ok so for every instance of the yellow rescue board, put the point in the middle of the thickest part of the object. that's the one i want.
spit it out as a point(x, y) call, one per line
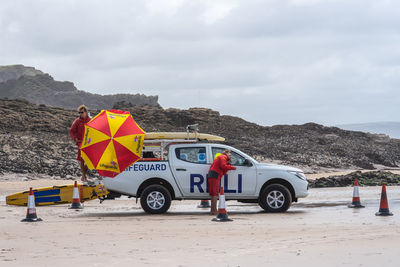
point(58, 194)
point(182, 135)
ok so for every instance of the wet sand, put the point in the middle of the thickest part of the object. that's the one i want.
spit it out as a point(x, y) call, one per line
point(318, 231)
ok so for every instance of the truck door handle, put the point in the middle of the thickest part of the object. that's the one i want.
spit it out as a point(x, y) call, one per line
point(181, 169)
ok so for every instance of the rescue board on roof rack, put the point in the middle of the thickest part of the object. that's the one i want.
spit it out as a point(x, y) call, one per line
point(183, 135)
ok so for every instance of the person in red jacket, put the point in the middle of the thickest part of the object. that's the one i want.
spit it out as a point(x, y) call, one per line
point(76, 134)
point(219, 168)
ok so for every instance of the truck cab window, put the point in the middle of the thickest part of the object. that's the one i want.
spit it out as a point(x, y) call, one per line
point(192, 154)
point(237, 160)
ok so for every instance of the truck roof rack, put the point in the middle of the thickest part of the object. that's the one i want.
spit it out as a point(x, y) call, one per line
point(159, 145)
point(158, 141)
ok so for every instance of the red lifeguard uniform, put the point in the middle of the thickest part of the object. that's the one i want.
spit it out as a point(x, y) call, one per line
point(76, 133)
point(218, 169)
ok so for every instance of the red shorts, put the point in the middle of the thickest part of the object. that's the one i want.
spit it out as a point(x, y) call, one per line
point(213, 186)
point(78, 157)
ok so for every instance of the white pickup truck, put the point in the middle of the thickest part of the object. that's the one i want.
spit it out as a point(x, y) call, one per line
point(184, 176)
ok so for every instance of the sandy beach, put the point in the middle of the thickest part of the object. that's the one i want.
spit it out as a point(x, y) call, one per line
point(319, 230)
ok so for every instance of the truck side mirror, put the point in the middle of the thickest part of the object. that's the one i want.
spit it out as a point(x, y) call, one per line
point(247, 163)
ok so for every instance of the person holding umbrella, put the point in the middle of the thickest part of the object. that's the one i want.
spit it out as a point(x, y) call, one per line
point(219, 168)
point(76, 134)
point(112, 141)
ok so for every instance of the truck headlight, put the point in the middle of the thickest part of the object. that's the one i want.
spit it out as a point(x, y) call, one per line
point(300, 175)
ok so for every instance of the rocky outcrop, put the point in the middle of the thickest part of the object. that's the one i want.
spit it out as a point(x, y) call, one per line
point(374, 178)
point(34, 138)
point(301, 145)
point(39, 88)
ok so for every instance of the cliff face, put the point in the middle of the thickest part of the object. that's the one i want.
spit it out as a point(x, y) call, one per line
point(34, 138)
point(15, 71)
point(39, 88)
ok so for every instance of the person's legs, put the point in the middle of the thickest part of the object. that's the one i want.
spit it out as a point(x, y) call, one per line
point(213, 191)
point(214, 210)
point(84, 167)
point(84, 170)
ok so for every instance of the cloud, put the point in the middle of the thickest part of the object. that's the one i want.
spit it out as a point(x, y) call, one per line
point(271, 62)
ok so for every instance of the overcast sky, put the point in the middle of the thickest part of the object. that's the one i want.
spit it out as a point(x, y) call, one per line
point(269, 62)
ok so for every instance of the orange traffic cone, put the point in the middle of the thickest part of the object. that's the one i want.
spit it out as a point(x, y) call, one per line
point(31, 212)
point(76, 202)
point(222, 216)
point(204, 204)
point(384, 206)
point(356, 197)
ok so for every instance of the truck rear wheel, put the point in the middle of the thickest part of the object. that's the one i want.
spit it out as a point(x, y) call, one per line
point(275, 198)
point(155, 199)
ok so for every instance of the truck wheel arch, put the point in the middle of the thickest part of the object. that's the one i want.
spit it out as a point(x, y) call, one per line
point(282, 182)
point(158, 181)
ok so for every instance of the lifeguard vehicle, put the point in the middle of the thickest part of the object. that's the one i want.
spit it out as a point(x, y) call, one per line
point(174, 166)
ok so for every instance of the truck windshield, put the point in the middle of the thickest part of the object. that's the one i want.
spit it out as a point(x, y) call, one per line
point(237, 160)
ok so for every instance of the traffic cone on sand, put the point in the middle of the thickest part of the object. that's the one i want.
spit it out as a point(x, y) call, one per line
point(356, 197)
point(31, 212)
point(76, 201)
point(384, 206)
point(222, 216)
point(204, 204)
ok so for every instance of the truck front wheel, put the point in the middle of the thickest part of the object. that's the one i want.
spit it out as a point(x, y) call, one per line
point(155, 199)
point(275, 198)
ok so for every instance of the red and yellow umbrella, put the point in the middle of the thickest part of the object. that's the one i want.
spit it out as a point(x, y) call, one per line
point(112, 142)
